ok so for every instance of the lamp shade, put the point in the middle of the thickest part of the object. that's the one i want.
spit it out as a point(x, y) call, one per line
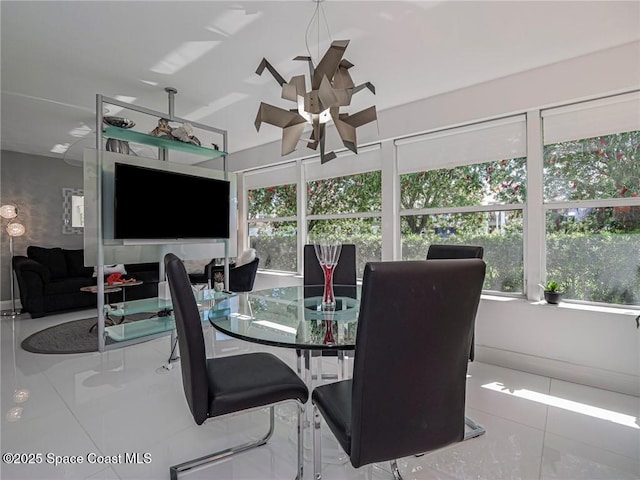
point(15, 229)
point(8, 211)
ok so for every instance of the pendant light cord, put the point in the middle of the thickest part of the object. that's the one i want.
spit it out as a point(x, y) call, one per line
point(316, 16)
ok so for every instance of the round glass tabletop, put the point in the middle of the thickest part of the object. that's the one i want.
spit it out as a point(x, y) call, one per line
point(291, 317)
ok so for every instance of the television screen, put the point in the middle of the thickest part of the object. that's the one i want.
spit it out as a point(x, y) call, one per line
point(158, 204)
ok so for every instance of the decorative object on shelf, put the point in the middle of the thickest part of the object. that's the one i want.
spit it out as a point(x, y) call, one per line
point(331, 88)
point(328, 253)
point(162, 130)
point(113, 144)
point(183, 133)
point(9, 212)
point(119, 122)
point(218, 281)
point(552, 293)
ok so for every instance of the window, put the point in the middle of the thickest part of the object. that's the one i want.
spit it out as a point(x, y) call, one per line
point(470, 185)
point(271, 218)
point(348, 208)
point(473, 194)
point(592, 199)
point(344, 201)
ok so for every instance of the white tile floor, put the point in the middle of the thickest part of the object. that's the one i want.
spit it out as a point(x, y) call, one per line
point(123, 402)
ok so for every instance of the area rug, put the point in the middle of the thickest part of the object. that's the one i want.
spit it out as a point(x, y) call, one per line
point(71, 337)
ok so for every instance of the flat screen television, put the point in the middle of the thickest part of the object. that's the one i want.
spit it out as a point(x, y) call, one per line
point(158, 204)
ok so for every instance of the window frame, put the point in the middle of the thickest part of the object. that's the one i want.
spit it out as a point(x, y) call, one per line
point(511, 125)
point(587, 119)
point(534, 208)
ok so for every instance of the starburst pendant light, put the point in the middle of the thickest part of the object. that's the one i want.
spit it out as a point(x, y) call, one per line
point(331, 89)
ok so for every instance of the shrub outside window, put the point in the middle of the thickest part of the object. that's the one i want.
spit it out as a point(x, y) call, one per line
point(592, 188)
point(272, 226)
point(479, 204)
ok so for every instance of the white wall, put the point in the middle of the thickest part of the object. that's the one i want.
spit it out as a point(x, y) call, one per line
point(599, 347)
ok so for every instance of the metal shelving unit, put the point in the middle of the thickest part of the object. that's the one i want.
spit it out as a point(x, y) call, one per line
point(164, 147)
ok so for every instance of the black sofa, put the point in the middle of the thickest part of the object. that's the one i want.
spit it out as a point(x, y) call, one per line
point(50, 279)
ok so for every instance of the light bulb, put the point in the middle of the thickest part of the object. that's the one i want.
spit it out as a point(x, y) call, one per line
point(14, 414)
point(15, 229)
point(8, 211)
point(20, 395)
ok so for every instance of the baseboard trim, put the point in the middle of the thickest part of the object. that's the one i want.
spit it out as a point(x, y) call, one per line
point(584, 375)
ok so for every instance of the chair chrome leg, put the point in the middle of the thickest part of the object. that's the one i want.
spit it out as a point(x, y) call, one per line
point(476, 429)
point(300, 441)
point(213, 457)
point(308, 378)
point(317, 448)
point(395, 470)
point(341, 365)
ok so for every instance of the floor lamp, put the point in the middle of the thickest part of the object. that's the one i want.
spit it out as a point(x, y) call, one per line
point(14, 229)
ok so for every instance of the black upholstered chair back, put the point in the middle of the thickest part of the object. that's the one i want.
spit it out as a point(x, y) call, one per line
point(193, 359)
point(242, 278)
point(414, 334)
point(443, 252)
point(440, 252)
point(344, 274)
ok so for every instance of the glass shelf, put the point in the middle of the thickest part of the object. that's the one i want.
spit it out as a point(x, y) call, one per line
point(145, 139)
point(211, 304)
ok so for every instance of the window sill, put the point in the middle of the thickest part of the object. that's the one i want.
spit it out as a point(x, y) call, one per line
point(627, 310)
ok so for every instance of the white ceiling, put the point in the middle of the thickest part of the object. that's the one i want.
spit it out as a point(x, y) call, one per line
point(56, 56)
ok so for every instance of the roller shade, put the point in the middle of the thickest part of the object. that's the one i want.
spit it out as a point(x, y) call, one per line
point(368, 159)
point(606, 116)
point(478, 143)
point(271, 177)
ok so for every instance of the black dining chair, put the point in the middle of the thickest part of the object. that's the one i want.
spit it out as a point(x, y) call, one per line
point(241, 277)
point(344, 280)
point(444, 252)
point(220, 386)
point(407, 394)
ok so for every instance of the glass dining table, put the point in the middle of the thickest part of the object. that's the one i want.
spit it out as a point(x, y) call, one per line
point(291, 317)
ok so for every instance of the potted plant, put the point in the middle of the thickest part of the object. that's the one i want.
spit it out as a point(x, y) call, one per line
point(552, 293)
point(218, 281)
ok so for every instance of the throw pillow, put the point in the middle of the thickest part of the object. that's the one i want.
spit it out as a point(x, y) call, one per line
point(196, 266)
point(109, 269)
point(245, 257)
